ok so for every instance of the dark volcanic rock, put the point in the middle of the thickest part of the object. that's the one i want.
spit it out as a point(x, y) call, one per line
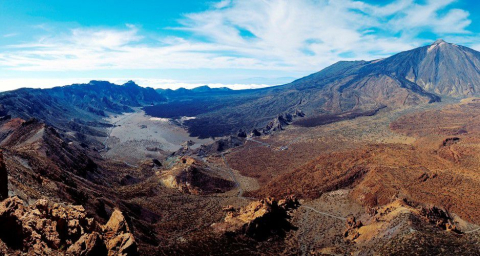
point(278, 123)
point(242, 134)
point(220, 145)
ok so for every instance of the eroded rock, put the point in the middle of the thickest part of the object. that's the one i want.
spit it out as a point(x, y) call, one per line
point(440, 217)
point(47, 228)
point(89, 245)
point(352, 225)
point(259, 220)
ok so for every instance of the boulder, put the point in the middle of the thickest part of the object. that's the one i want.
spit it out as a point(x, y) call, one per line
point(116, 225)
point(122, 245)
point(89, 245)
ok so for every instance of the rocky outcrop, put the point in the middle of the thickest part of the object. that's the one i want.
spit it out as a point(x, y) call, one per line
point(439, 217)
point(275, 125)
point(397, 219)
point(188, 144)
point(241, 134)
point(3, 179)
point(259, 220)
point(118, 233)
point(219, 145)
point(352, 226)
point(283, 120)
point(255, 133)
point(191, 176)
point(89, 244)
point(47, 228)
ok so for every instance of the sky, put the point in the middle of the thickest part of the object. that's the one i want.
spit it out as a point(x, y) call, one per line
point(235, 43)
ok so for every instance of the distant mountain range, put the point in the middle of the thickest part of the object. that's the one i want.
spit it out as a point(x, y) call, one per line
point(78, 106)
point(419, 76)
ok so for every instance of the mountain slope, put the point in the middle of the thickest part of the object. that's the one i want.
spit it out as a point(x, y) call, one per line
point(420, 76)
point(441, 68)
point(77, 107)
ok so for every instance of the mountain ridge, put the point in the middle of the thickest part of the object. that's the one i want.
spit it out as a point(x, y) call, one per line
point(419, 76)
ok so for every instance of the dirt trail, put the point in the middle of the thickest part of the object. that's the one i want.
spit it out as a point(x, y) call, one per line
point(229, 170)
point(323, 213)
point(472, 231)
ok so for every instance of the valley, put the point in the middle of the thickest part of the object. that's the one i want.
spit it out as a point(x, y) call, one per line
point(360, 158)
point(135, 137)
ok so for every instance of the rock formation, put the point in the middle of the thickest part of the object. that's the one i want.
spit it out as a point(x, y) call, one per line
point(255, 133)
point(188, 144)
point(259, 220)
point(352, 226)
point(439, 217)
point(219, 145)
point(47, 228)
point(279, 123)
point(190, 176)
point(118, 233)
point(241, 134)
point(400, 215)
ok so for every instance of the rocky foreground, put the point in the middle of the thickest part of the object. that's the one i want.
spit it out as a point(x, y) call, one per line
point(46, 228)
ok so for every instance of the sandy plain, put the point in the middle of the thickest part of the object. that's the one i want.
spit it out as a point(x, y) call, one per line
point(137, 136)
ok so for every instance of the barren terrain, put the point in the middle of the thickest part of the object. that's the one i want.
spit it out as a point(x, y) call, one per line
point(136, 136)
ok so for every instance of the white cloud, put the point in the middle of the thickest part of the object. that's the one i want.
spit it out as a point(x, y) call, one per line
point(222, 4)
point(301, 35)
point(10, 35)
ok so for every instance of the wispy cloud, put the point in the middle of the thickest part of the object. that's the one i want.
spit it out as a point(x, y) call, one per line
point(248, 34)
point(10, 35)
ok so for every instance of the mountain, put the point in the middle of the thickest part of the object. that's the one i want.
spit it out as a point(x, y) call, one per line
point(202, 90)
point(441, 68)
point(419, 76)
point(401, 183)
point(82, 103)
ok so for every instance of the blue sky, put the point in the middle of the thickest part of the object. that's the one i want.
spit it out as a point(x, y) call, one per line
point(235, 43)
